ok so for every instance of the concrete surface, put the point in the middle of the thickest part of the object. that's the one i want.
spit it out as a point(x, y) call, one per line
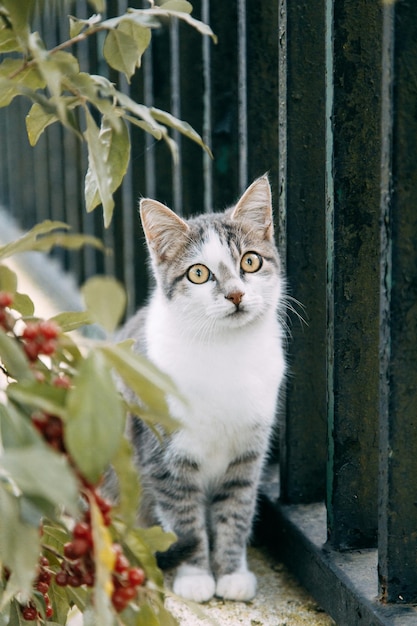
point(280, 601)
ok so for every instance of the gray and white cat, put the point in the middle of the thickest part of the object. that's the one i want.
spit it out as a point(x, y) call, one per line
point(212, 324)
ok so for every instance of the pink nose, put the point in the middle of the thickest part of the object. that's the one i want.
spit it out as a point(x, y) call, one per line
point(235, 297)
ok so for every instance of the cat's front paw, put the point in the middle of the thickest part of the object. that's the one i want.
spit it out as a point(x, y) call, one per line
point(197, 586)
point(237, 586)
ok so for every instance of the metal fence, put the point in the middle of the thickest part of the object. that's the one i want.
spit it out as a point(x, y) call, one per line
point(322, 95)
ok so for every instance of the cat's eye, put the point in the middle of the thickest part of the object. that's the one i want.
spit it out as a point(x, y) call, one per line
point(251, 262)
point(198, 274)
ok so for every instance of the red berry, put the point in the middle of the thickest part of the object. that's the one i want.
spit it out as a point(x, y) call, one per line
point(103, 504)
point(31, 331)
point(61, 578)
point(39, 420)
point(76, 548)
point(89, 579)
point(49, 611)
point(62, 381)
point(42, 586)
point(82, 530)
point(32, 351)
point(48, 347)
point(44, 577)
point(49, 329)
point(29, 613)
point(53, 428)
point(44, 561)
point(3, 319)
point(121, 597)
point(122, 564)
point(136, 576)
point(75, 581)
point(6, 299)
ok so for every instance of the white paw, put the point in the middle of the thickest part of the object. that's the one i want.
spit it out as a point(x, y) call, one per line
point(237, 586)
point(198, 586)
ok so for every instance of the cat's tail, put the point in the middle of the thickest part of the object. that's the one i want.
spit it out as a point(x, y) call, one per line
point(176, 554)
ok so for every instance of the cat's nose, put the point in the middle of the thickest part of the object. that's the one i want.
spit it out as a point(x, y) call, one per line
point(235, 297)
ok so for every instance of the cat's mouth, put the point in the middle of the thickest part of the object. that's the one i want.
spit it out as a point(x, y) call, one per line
point(238, 311)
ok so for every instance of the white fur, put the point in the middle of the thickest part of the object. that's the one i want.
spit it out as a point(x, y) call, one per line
point(194, 584)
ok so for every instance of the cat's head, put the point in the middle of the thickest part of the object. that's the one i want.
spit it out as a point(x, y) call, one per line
point(217, 270)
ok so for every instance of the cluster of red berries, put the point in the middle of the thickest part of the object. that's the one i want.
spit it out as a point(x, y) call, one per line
point(78, 566)
point(126, 580)
point(6, 300)
point(51, 426)
point(40, 338)
point(41, 584)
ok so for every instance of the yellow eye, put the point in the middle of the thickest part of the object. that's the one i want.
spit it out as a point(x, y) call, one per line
point(198, 274)
point(251, 262)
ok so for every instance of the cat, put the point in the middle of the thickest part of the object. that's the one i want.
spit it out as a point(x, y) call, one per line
point(213, 325)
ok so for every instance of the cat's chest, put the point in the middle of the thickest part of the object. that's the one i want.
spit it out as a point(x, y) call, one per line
point(227, 380)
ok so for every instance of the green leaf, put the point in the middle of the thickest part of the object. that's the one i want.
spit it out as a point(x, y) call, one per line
point(8, 279)
point(36, 121)
point(116, 153)
point(72, 320)
point(155, 420)
point(19, 14)
point(147, 617)
point(41, 396)
point(142, 112)
point(69, 241)
point(98, 176)
point(164, 11)
point(23, 304)
point(43, 238)
point(96, 418)
point(181, 126)
point(105, 299)
point(8, 41)
point(19, 546)
point(77, 25)
point(141, 35)
point(121, 52)
point(156, 538)
point(29, 240)
point(177, 5)
point(147, 381)
point(129, 487)
point(16, 430)
point(8, 91)
point(33, 509)
point(99, 5)
point(143, 543)
point(13, 359)
point(39, 471)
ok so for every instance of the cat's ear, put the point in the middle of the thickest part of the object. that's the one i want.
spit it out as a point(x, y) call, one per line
point(164, 230)
point(255, 206)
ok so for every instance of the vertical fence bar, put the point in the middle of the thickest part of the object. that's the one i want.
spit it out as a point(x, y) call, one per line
point(398, 431)
point(242, 95)
point(176, 111)
point(303, 437)
point(353, 453)
point(207, 122)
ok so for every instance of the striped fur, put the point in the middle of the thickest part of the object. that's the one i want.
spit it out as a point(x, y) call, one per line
point(226, 359)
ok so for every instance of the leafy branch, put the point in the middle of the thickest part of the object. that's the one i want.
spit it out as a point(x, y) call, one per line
point(59, 90)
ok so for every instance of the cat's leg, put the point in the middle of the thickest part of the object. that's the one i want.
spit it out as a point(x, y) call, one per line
point(181, 508)
point(231, 516)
